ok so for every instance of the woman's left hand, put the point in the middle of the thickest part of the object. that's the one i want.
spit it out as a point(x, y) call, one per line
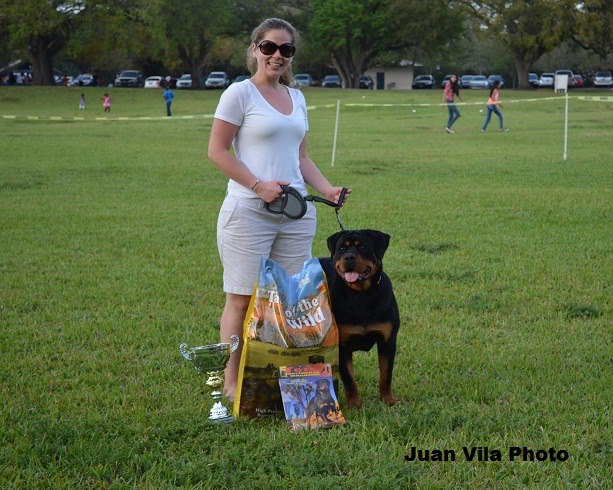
point(335, 194)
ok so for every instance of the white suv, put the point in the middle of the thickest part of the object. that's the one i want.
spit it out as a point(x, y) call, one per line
point(603, 79)
point(303, 80)
point(217, 79)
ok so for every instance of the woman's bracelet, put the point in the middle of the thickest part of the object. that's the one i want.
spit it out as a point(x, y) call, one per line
point(257, 181)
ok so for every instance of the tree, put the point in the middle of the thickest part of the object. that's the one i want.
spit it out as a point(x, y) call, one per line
point(528, 28)
point(40, 29)
point(591, 26)
point(480, 55)
point(352, 32)
point(5, 51)
point(116, 34)
point(192, 26)
point(356, 33)
point(426, 32)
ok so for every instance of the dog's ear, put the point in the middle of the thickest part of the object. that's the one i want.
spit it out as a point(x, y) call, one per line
point(381, 241)
point(332, 239)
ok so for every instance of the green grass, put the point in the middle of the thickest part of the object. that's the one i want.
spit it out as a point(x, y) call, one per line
point(500, 257)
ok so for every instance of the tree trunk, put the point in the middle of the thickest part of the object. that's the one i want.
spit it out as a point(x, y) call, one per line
point(42, 61)
point(524, 60)
point(194, 58)
point(196, 70)
point(43, 49)
point(523, 68)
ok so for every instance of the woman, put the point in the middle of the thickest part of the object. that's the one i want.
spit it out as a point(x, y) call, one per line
point(265, 121)
point(450, 91)
point(493, 106)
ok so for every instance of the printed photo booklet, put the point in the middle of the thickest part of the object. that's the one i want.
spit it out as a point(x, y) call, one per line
point(309, 400)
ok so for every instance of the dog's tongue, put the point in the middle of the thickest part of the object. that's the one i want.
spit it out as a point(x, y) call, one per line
point(351, 276)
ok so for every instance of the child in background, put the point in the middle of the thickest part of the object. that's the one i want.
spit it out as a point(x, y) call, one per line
point(82, 102)
point(450, 92)
point(106, 102)
point(493, 106)
point(168, 97)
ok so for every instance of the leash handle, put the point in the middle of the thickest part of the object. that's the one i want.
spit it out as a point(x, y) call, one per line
point(341, 198)
point(337, 205)
point(280, 206)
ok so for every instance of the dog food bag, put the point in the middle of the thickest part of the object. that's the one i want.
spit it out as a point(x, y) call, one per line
point(289, 322)
point(290, 311)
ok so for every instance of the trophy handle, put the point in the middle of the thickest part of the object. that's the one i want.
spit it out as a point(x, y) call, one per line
point(235, 341)
point(185, 352)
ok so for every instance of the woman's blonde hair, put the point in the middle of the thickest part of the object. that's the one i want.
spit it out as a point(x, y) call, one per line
point(258, 34)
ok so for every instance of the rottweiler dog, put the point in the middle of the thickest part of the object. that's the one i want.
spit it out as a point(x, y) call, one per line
point(364, 306)
point(322, 403)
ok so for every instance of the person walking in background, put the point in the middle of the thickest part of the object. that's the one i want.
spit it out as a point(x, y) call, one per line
point(82, 102)
point(265, 121)
point(168, 97)
point(106, 102)
point(450, 91)
point(494, 106)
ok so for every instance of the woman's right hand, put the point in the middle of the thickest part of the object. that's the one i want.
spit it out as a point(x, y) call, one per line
point(269, 190)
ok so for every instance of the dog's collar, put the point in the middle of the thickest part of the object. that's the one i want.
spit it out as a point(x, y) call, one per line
point(380, 277)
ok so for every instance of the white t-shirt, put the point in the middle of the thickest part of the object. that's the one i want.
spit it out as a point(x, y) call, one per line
point(267, 142)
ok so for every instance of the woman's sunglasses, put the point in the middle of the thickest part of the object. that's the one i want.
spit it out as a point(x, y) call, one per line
point(269, 48)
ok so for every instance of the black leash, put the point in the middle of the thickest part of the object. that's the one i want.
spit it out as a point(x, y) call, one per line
point(293, 204)
point(341, 201)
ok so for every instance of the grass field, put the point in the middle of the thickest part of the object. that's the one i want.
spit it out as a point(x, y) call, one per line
point(501, 257)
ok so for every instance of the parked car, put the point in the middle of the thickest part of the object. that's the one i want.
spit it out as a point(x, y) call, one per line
point(464, 81)
point(367, 82)
point(331, 81)
point(603, 79)
point(569, 74)
point(63, 80)
point(22, 78)
point(129, 78)
point(217, 79)
point(445, 80)
point(60, 78)
point(153, 82)
point(240, 78)
point(82, 80)
point(184, 81)
point(533, 80)
point(302, 80)
point(492, 78)
point(168, 82)
point(423, 81)
point(579, 82)
point(479, 82)
point(546, 80)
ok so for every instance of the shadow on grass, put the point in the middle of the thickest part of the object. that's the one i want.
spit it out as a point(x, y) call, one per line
point(435, 248)
point(582, 311)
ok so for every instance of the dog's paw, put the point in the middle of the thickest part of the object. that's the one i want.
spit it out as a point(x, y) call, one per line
point(389, 400)
point(353, 402)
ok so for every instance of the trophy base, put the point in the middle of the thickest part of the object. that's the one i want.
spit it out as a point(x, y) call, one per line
point(219, 413)
point(228, 419)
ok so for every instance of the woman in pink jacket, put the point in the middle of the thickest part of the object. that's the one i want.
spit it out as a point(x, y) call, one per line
point(450, 91)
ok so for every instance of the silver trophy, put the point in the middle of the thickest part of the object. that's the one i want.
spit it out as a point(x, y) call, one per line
point(212, 360)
